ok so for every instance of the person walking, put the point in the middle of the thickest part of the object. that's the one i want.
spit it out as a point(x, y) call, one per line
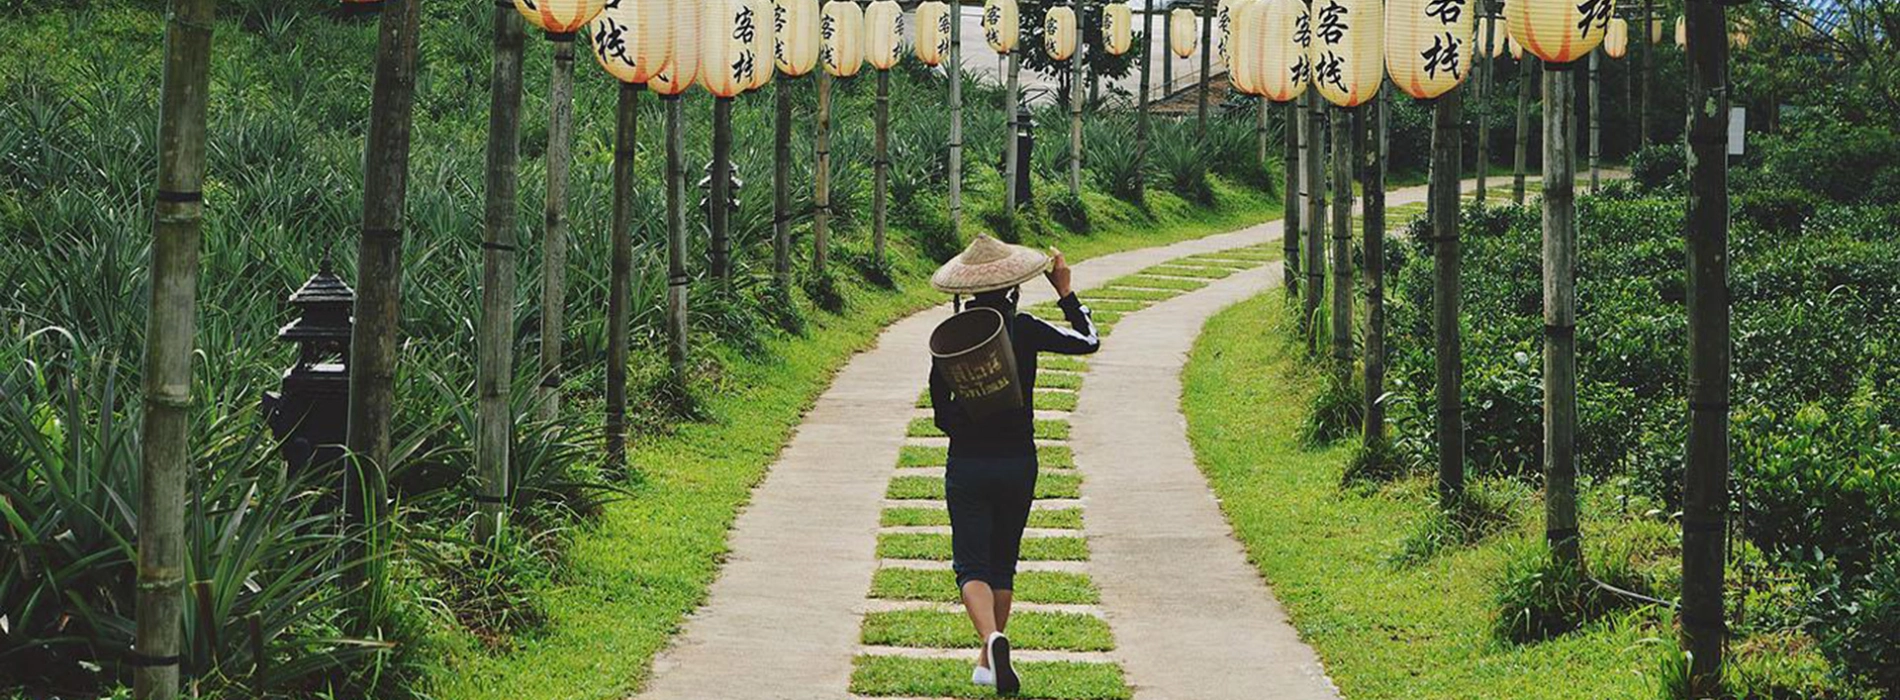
point(990, 481)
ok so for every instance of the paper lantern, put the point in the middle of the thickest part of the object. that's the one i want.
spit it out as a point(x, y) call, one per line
point(1225, 15)
point(1617, 43)
point(679, 28)
point(560, 16)
point(1738, 33)
point(1428, 45)
point(933, 33)
point(1243, 69)
point(1058, 33)
point(842, 34)
point(764, 41)
point(1002, 26)
point(1348, 50)
point(627, 40)
point(731, 30)
point(883, 33)
point(1559, 31)
point(1498, 37)
point(1516, 49)
point(1656, 30)
point(1286, 35)
point(1118, 28)
point(1186, 32)
point(1682, 31)
point(795, 36)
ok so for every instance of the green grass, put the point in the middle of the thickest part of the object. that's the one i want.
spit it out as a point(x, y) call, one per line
point(1417, 632)
point(1050, 380)
point(934, 629)
point(1125, 293)
point(941, 586)
point(1212, 273)
point(937, 547)
point(1059, 519)
point(1048, 485)
point(1142, 280)
point(1045, 429)
point(1066, 363)
point(1049, 456)
point(1215, 263)
point(950, 678)
point(1055, 400)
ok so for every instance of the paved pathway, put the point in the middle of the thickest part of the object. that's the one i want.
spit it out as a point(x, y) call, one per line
point(789, 618)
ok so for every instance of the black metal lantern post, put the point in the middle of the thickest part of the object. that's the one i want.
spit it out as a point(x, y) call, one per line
point(310, 417)
point(1025, 149)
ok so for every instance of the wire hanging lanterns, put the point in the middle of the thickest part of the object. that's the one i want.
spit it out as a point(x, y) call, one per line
point(1428, 45)
point(1348, 50)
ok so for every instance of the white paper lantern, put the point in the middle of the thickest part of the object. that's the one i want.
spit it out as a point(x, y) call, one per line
point(1002, 26)
point(1058, 33)
point(559, 16)
point(626, 40)
point(933, 33)
point(1428, 45)
point(1559, 31)
point(1617, 44)
point(681, 29)
point(1118, 28)
point(1682, 31)
point(1225, 15)
point(764, 42)
point(1656, 30)
point(730, 44)
point(1515, 49)
point(1186, 32)
point(1348, 51)
point(883, 33)
point(1244, 68)
point(842, 34)
point(795, 36)
point(1286, 70)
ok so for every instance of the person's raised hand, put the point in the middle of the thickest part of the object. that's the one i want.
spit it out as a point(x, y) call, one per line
point(1058, 273)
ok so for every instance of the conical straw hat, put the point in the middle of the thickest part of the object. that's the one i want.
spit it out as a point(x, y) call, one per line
point(988, 265)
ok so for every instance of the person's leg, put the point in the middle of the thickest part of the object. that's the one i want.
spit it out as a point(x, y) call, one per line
point(979, 602)
point(1017, 498)
point(971, 525)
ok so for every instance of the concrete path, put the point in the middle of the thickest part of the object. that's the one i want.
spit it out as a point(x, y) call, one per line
point(1191, 616)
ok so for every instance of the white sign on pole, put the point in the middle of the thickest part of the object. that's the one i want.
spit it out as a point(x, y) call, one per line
point(1737, 129)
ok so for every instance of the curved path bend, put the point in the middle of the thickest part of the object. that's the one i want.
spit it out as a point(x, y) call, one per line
point(1190, 616)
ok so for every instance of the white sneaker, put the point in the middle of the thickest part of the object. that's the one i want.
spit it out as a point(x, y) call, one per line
point(1006, 681)
point(983, 676)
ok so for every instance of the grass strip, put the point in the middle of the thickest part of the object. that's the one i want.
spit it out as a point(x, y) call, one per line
point(1130, 294)
point(1055, 380)
point(1143, 280)
point(1055, 587)
point(906, 545)
point(1212, 273)
point(1046, 429)
point(1062, 519)
point(896, 676)
point(1048, 485)
point(1066, 363)
point(1049, 456)
point(935, 629)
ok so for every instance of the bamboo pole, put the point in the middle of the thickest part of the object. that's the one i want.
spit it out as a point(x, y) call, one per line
point(1374, 217)
point(821, 202)
point(1447, 335)
point(719, 192)
point(1521, 159)
point(882, 174)
point(495, 348)
point(1167, 59)
point(1011, 98)
point(955, 74)
point(1596, 123)
point(1344, 144)
point(1647, 69)
point(171, 324)
point(1207, 64)
point(676, 279)
point(782, 185)
point(1313, 161)
point(619, 294)
point(1706, 454)
point(554, 241)
point(1142, 126)
point(1261, 143)
point(1482, 65)
point(1290, 199)
point(1560, 320)
point(379, 290)
point(1075, 110)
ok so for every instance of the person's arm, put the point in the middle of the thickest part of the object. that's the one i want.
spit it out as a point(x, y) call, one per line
point(1080, 337)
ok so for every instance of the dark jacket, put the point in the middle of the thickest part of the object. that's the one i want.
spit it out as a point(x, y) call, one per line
point(1013, 435)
